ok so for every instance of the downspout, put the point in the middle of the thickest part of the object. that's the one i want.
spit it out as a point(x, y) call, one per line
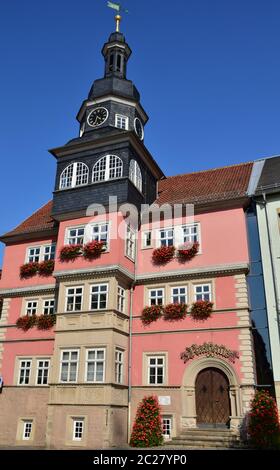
point(130, 343)
point(275, 288)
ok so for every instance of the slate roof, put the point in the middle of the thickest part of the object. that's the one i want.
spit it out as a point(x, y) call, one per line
point(218, 184)
point(269, 180)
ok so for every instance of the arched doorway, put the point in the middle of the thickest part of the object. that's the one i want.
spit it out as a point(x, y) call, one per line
point(212, 398)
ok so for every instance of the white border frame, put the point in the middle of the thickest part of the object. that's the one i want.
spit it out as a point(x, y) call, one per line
point(62, 350)
point(96, 348)
point(92, 111)
point(142, 126)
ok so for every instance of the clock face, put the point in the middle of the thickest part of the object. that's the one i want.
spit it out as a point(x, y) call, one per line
point(138, 127)
point(97, 117)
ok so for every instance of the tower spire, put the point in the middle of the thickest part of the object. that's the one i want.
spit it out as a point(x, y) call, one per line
point(118, 19)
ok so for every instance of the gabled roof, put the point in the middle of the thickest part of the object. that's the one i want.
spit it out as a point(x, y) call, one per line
point(40, 221)
point(218, 184)
point(269, 181)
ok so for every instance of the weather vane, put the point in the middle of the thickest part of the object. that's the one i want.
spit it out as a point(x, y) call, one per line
point(119, 8)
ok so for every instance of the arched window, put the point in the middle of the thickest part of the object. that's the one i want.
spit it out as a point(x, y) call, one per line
point(75, 174)
point(135, 174)
point(107, 168)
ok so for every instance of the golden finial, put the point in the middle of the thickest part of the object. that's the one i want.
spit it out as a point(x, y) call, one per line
point(118, 20)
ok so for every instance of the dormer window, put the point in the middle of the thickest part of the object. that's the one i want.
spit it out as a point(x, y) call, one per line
point(121, 121)
point(135, 174)
point(107, 168)
point(74, 175)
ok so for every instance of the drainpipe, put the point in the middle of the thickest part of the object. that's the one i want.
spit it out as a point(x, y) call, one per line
point(130, 343)
point(275, 287)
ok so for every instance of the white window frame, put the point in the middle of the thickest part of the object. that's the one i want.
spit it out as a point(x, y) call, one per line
point(78, 421)
point(75, 175)
point(41, 253)
point(35, 303)
point(167, 236)
point(130, 243)
point(43, 368)
point(157, 366)
point(98, 235)
point(68, 237)
point(121, 119)
point(135, 175)
point(74, 295)
point(198, 233)
point(121, 299)
point(27, 422)
point(202, 284)
point(95, 361)
point(48, 307)
point(157, 296)
point(179, 294)
point(119, 365)
point(144, 239)
point(25, 368)
point(69, 365)
point(99, 292)
point(106, 169)
point(170, 425)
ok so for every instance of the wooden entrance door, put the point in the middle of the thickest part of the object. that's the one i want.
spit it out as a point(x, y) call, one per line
point(212, 397)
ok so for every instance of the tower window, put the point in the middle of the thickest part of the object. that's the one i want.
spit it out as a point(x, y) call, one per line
point(73, 175)
point(119, 62)
point(111, 63)
point(135, 174)
point(121, 122)
point(108, 167)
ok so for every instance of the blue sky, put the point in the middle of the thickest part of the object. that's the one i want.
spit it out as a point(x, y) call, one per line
point(208, 72)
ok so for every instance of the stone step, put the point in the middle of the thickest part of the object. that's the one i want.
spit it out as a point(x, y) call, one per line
point(208, 432)
point(201, 445)
point(205, 439)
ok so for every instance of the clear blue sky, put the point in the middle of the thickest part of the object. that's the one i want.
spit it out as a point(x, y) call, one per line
point(208, 72)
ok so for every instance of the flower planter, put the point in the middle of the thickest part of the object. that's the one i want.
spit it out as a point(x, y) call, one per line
point(201, 310)
point(28, 270)
point(26, 322)
point(151, 314)
point(45, 322)
point(93, 249)
point(187, 251)
point(163, 255)
point(174, 312)
point(70, 252)
point(46, 268)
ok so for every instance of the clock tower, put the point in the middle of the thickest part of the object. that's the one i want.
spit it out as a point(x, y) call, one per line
point(109, 157)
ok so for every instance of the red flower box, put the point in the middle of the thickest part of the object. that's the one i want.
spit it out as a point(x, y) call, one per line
point(28, 270)
point(173, 312)
point(163, 254)
point(263, 424)
point(45, 268)
point(93, 249)
point(201, 310)
point(188, 250)
point(26, 322)
point(45, 322)
point(70, 252)
point(150, 314)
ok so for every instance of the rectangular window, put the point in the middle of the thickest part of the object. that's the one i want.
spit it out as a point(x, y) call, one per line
point(156, 370)
point(119, 355)
point(147, 239)
point(34, 254)
point(100, 232)
point(121, 122)
point(121, 299)
point(31, 307)
point(74, 299)
point(43, 366)
point(78, 429)
point(167, 426)
point(95, 365)
point(48, 252)
point(48, 308)
point(99, 294)
point(24, 371)
point(27, 430)
point(179, 295)
point(75, 236)
point(130, 243)
point(190, 233)
point(156, 296)
point(202, 292)
point(166, 237)
point(69, 366)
